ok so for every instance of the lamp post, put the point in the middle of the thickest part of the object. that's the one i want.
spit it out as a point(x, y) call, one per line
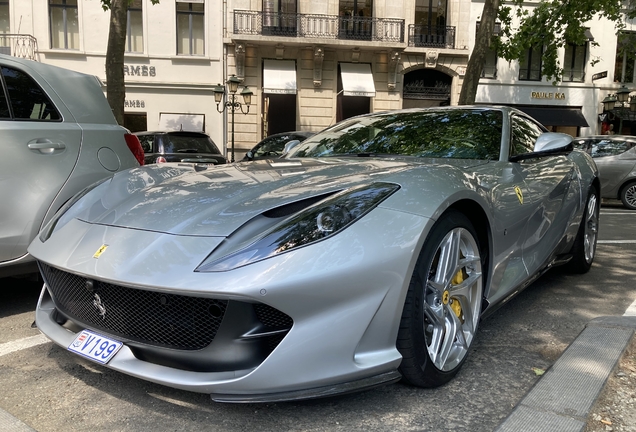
point(232, 105)
point(621, 104)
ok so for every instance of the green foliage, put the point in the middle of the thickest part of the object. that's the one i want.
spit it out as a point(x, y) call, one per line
point(553, 24)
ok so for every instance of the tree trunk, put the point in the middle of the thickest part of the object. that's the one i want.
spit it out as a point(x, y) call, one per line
point(116, 87)
point(478, 56)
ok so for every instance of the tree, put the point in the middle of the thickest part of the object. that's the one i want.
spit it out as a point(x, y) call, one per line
point(116, 86)
point(551, 24)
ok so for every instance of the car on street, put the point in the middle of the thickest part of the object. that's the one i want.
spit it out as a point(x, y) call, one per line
point(180, 146)
point(58, 136)
point(273, 146)
point(366, 255)
point(615, 157)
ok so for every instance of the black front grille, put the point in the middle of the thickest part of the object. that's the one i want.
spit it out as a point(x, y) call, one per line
point(271, 317)
point(150, 317)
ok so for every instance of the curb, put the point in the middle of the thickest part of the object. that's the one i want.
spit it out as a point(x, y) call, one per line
point(562, 399)
point(9, 423)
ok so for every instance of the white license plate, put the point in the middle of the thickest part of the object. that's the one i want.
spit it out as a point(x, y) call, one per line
point(95, 346)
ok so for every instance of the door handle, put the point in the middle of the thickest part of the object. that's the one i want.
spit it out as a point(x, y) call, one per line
point(46, 146)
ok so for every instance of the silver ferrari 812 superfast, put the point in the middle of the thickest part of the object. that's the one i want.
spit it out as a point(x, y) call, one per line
point(367, 255)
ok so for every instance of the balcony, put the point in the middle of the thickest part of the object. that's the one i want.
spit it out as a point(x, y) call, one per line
point(318, 26)
point(18, 45)
point(432, 36)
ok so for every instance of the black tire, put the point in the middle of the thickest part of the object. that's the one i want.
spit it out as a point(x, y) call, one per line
point(584, 248)
point(628, 195)
point(430, 309)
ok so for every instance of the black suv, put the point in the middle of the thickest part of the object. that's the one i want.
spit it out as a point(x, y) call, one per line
point(180, 146)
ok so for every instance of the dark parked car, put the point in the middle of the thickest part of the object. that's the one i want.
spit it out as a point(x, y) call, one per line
point(273, 145)
point(615, 157)
point(180, 146)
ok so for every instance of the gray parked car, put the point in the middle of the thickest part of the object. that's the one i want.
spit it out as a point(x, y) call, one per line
point(58, 136)
point(367, 256)
point(615, 157)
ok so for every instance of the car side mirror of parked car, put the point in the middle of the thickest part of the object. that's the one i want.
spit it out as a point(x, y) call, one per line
point(290, 145)
point(548, 144)
point(249, 155)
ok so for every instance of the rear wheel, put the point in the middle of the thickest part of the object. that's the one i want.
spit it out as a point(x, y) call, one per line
point(443, 304)
point(584, 248)
point(628, 195)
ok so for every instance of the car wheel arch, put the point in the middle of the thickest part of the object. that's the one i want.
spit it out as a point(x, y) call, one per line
point(479, 218)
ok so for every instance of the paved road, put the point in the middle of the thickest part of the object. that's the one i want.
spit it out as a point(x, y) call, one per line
point(49, 389)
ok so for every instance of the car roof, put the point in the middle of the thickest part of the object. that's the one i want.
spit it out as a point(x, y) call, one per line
point(170, 132)
point(77, 91)
point(629, 138)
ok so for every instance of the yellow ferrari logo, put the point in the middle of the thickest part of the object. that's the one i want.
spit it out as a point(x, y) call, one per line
point(100, 251)
point(519, 194)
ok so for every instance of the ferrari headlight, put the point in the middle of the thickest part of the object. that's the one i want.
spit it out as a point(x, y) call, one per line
point(63, 216)
point(315, 223)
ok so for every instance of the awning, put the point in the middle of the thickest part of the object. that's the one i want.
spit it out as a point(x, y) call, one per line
point(357, 79)
point(549, 116)
point(279, 76)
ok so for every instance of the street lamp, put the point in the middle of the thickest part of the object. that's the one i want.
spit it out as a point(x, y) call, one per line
point(232, 105)
point(621, 104)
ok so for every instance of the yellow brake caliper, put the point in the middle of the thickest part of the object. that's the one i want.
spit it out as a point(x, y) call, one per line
point(454, 303)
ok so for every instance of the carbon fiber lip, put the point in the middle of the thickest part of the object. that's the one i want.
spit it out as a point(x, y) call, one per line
point(318, 392)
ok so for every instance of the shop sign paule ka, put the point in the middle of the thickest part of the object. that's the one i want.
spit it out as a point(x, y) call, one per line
point(547, 95)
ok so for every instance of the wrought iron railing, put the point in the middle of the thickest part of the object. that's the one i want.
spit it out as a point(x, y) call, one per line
point(431, 36)
point(420, 90)
point(19, 45)
point(318, 26)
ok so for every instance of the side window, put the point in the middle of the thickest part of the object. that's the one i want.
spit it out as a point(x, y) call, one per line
point(609, 148)
point(4, 104)
point(146, 143)
point(524, 135)
point(27, 99)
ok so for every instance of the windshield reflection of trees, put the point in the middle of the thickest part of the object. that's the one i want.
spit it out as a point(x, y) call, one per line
point(464, 134)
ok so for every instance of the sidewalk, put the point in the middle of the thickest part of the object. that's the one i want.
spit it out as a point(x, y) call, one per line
point(562, 399)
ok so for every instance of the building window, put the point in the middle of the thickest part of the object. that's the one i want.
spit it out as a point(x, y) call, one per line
point(5, 27)
point(574, 62)
point(430, 24)
point(530, 65)
point(279, 17)
point(134, 28)
point(625, 57)
point(356, 19)
point(64, 24)
point(490, 64)
point(190, 28)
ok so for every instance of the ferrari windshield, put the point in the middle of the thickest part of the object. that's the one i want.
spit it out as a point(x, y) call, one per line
point(459, 133)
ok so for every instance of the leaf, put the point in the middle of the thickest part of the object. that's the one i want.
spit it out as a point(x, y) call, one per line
point(538, 371)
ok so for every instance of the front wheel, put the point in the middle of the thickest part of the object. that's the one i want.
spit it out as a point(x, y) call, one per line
point(443, 303)
point(628, 195)
point(584, 248)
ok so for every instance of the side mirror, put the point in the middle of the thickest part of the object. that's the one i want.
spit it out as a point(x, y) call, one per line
point(290, 145)
point(548, 144)
point(249, 155)
point(552, 141)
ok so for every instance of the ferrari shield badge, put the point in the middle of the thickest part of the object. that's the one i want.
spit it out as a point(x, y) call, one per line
point(100, 251)
point(519, 194)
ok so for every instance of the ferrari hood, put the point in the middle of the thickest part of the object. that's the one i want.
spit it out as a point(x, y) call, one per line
point(182, 199)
